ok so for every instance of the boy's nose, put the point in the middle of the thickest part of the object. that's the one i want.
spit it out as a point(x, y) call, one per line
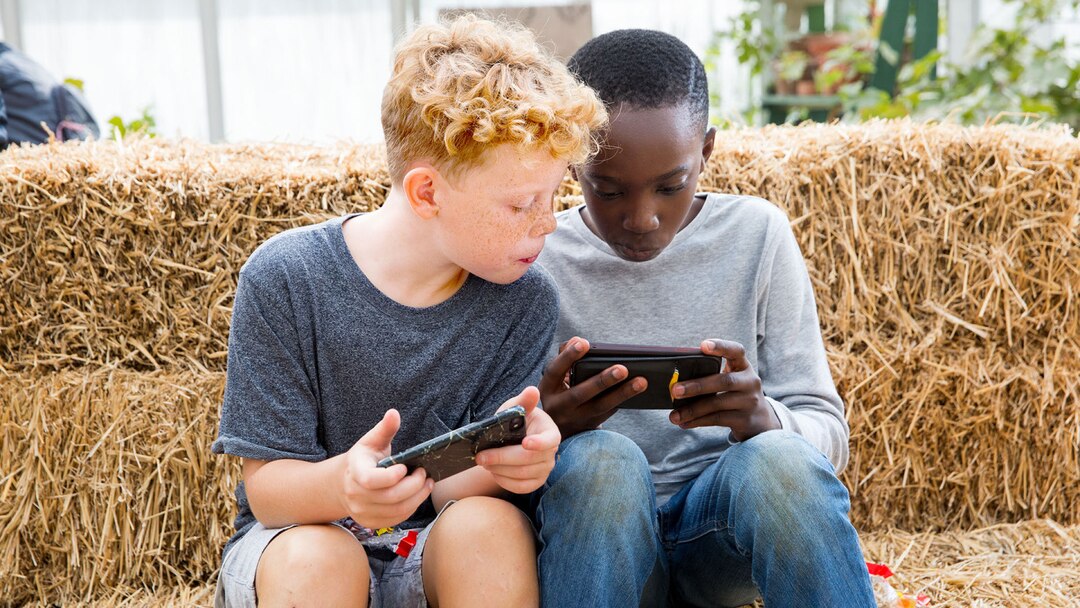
point(545, 224)
point(641, 220)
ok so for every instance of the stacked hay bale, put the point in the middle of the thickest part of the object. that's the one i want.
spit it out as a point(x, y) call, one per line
point(944, 260)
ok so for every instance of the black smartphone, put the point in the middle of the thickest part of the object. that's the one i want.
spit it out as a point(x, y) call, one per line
point(661, 366)
point(453, 452)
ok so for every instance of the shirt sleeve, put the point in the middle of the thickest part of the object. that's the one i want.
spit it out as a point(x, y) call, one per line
point(270, 408)
point(791, 353)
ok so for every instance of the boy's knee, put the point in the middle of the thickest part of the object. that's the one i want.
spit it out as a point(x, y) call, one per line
point(305, 554)
point(781, 471)
point(476, 516)
point(600, 459)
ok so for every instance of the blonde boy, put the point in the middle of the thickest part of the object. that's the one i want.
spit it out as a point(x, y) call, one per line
point(397, 325)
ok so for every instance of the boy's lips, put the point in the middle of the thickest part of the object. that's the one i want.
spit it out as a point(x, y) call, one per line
point(635, 254)
point(530, 259)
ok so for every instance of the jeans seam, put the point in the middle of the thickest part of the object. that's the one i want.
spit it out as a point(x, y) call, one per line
point(706, 530)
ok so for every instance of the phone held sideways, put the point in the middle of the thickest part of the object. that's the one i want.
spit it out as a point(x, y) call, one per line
point(454, 452)
point(661, 366)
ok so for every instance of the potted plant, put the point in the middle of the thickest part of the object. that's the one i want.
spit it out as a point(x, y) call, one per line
point(845, 64)
point(790, 68)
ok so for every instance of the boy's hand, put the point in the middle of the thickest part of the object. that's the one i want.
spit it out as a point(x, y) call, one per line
point(732, 398)
point(524, 468)
point(577, 408)
point(376, 497)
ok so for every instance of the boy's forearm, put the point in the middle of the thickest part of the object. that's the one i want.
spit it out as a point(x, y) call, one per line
point(476, 481)
point(284, 492)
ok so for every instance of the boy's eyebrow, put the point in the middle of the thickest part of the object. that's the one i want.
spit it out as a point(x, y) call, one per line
point(659, 178)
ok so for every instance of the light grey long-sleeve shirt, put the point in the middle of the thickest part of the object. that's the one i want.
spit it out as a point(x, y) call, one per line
point(734, 273)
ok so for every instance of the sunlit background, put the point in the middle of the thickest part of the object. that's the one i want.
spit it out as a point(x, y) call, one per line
point(313, 70)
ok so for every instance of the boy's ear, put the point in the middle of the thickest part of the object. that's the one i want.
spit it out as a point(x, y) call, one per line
point(707, 147)
point(419, 187)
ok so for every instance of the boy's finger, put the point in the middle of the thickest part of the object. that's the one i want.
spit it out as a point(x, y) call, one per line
point(528, 398)
point(717, 409)
point(513, 455)
point(379, 437)
point(402, 509)
point(401, 491)
point(378, 478)
point(559, 366)
point(547, 439)
point(530, 471)
point(728, 418)
point(589, 389)
point(732, 352)
point(606, 406)
point(724, 382)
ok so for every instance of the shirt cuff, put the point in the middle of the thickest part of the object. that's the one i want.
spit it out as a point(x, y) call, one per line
point(783, 414)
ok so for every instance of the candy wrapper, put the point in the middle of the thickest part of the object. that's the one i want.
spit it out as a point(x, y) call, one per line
point(888, 597)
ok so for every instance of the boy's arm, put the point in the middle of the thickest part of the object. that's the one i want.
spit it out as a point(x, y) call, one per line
point(791, 353)
point(270, 418)
point(791, 388)
point(283, 492)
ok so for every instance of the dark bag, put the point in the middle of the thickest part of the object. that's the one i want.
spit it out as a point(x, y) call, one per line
point(32, 96)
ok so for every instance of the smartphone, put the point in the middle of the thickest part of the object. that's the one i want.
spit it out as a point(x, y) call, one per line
point(661, 366)
point(453, 452)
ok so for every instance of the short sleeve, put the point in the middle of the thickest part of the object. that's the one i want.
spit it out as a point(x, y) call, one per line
point(270, 409)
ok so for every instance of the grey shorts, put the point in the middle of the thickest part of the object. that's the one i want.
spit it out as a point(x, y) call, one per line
point(394, 582)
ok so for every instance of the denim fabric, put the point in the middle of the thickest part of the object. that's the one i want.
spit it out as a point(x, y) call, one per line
point(769, 518)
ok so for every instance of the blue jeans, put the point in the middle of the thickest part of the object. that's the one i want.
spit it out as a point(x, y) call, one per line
point(768, 518)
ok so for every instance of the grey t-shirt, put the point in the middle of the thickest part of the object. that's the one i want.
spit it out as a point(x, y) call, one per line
point(734, 273)
point(317, 354)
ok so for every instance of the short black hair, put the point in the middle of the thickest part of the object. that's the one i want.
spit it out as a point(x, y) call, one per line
point(644, 69)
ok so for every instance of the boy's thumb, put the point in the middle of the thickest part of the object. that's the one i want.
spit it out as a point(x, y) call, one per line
point(380, 435)
point(528, 398)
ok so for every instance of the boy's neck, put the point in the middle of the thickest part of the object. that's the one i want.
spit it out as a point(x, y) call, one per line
point(395, 250)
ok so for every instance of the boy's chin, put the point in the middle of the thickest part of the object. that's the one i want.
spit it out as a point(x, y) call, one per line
point(504, 276)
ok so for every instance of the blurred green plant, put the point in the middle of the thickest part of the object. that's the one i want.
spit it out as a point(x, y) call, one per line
point(144, 125)
point(1011, 74)
point(1015, 73)
point(755, 46)
point(792, 65)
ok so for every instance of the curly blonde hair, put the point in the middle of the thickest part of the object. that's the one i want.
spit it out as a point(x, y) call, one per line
point(463, 87)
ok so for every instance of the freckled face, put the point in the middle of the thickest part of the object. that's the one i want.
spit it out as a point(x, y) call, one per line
point(639, 192)
point(493, 218)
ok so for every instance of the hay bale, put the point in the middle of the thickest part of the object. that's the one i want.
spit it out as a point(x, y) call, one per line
point(1034, 563)
point(944, 261)
point(128, 253)
point(201, 596)
point(108, 483)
